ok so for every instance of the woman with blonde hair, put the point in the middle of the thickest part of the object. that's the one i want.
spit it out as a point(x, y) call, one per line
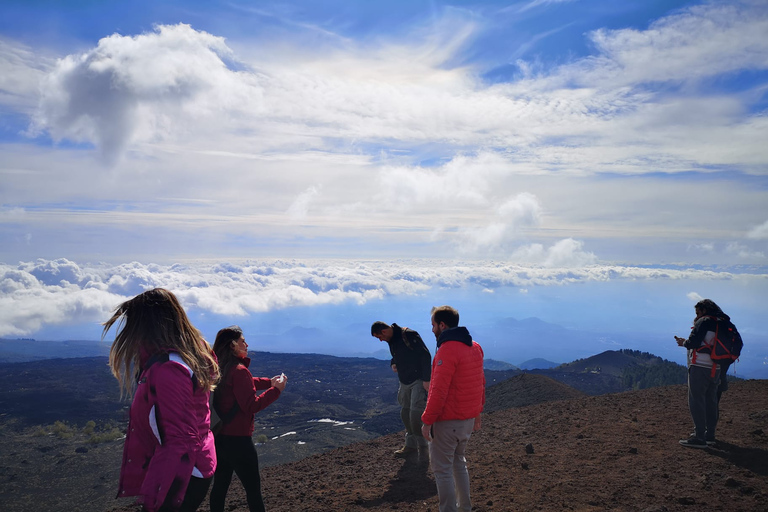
point(158, 356)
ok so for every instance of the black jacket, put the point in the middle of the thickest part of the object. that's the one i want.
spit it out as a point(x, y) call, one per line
point(410, 355)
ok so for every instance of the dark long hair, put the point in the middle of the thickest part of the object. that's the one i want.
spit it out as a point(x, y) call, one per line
point(222, 347)
point(155, 322)
point(710, 308)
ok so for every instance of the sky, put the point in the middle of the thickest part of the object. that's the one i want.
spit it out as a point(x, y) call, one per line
point(596, 164)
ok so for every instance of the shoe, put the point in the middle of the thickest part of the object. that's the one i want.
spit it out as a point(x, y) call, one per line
point(710, 442)
point(693, 442)
point(405, 451)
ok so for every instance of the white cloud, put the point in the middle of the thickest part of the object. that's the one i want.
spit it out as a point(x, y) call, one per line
point(692, 44)
point(569, 253)
point(11, 213)
point(391, 141)
point(505, 224)
point(61, 292)
point(538, 3)
point(744, 252)
point(300, 207)
point(759, 232)
point(694, 297)
point(21, 71)
point(149, 88)
point(140, 89)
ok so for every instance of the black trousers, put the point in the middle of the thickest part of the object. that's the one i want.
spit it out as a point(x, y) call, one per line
point(236, 454)
point(196, 491)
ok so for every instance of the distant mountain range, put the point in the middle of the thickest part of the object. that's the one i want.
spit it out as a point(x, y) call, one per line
point(528, 344)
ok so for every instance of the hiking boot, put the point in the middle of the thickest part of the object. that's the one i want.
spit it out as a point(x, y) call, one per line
point(405, 451)
point(693, 442)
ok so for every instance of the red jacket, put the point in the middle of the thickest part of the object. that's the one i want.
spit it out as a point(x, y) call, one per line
point(457, 388)
point(239, 385)
point(168, 437)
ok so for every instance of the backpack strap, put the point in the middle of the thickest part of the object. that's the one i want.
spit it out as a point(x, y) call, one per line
point(160, 357)
point(230, 415)
point(406, 341)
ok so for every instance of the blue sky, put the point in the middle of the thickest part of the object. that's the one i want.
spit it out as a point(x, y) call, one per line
point(399, 152)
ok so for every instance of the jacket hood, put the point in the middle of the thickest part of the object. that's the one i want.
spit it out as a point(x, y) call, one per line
point(455, 334)
point(721, 317)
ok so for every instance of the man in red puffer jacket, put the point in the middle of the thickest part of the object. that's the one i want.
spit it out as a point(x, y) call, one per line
point(456, 398)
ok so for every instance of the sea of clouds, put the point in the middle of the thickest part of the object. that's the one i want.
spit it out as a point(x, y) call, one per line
point(44, 293)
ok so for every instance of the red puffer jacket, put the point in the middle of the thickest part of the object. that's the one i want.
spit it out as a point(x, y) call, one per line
point(168, 438)
point(457, 388)
point(239, 385)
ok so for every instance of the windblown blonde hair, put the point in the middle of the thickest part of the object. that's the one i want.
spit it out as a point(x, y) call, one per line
point(155, 322)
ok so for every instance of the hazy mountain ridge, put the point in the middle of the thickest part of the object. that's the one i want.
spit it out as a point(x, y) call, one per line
point(537, 363)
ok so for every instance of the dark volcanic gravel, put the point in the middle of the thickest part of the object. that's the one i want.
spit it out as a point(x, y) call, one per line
point(616, 452)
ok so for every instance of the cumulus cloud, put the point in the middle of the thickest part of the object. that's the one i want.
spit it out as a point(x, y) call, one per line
point(567, 253)
point(694, 297)
point(140, 88)
point(61, 292)
point(506, 221)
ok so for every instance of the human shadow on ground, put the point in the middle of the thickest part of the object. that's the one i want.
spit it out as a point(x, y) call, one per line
point(753, 459)
point(411, 484)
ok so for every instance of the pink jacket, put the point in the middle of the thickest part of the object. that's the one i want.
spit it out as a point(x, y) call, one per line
point(168, 438)
point(239, 385)
point(457, 388)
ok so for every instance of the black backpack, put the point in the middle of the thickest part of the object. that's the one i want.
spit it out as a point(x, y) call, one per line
point(219, 420)
point(727, 343)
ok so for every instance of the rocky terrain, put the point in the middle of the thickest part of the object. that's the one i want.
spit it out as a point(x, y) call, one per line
point(610, 452)
point(615, 452)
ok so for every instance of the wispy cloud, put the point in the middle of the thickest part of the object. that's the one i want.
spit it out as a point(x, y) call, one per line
point(397, 141)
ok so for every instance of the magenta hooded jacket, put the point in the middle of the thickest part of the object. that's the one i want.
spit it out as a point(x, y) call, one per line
point(168, 438)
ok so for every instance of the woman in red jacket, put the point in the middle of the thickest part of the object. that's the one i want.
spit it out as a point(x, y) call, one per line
point(169, 456)
point(237, 400)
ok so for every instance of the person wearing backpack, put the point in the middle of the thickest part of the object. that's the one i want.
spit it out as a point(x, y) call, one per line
point(412, 362)
point(713, 344)
point(169, 456)
point(242, 392)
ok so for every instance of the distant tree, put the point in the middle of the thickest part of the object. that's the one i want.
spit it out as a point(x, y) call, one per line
point(262, 438)
point(660, 373)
